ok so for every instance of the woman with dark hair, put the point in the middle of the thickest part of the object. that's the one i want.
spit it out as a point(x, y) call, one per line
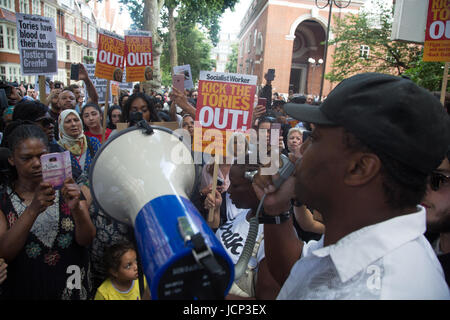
point(114, 116)
point(44, 232)
point(92, 120)
point(140, 104)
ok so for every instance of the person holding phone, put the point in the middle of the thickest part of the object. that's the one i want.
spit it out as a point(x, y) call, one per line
point(43, 231)
point(266, 91)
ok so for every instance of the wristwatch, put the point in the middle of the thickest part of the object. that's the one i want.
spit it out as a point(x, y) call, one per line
point(279, 219)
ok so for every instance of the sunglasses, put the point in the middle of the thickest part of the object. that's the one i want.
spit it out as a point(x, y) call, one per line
point(437, 179)
point(45, 122)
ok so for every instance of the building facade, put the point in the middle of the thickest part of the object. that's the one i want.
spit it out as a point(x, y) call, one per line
point(223, 50)
point(76, 24)
point(286, 35)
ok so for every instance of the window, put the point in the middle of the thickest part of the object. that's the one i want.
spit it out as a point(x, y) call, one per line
point(24, 6)
point(92, 34)
point(69, 24)
point(255, 36)
point(68, 52)
point(50, 12)
point(36, 6)
point(259, 44)
point(364, 51)
point(2, 45)
point(3, 73)
point(78, 30)
point(61, 46)
point(7, 4)
point(85, 31)
point(11, 38)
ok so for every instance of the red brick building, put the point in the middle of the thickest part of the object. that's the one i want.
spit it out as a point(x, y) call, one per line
point(283, 35)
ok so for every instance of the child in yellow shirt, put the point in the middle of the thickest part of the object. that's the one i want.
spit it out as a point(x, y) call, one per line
point(121, 264)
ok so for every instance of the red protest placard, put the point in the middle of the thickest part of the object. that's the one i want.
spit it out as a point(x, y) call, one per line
point(138, 53)
point(110, 56)
point(437, 33)
point(224, 105)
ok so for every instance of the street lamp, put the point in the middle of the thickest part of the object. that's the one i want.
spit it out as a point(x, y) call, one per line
point(314, 64)
point(321, 4)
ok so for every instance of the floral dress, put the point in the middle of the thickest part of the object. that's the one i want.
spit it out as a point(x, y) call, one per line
point(51, 265)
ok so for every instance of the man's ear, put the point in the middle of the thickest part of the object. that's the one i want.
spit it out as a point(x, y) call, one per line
point(362, 168)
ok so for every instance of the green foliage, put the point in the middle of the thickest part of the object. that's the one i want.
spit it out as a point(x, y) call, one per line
point(386, 56)
point(231, 65)
point(193, 49)
point(427, 74)
point(136, 10)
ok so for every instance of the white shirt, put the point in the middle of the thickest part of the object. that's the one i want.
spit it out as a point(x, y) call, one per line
point(388, 260)
point(233, 234)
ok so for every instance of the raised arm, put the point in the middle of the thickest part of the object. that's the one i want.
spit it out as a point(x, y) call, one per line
point(91, 91)
point(13, 239)
point(281, 244)
point(181, 100)
point(84, 228)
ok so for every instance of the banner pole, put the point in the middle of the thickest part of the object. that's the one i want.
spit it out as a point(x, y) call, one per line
point(214, 187)
point(105, 111)
point(42, 92)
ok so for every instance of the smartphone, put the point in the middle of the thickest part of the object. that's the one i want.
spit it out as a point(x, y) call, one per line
point(56, 168)
point(273, 139)
point(74, 71)
point(262, 102)
point(178, 82)
point(271, 74)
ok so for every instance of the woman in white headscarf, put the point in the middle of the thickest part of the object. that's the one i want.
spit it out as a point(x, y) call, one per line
point(71, 137)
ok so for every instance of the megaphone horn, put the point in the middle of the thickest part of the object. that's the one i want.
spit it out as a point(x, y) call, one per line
point(134, 179)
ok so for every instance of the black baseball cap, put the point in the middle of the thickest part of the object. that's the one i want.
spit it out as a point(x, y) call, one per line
point(387, 113)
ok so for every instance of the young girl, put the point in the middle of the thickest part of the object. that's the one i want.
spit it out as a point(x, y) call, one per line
point(92, 119)
point(121, 264)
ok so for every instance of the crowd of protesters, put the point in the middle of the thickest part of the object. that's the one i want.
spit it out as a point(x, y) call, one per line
point(365, 216)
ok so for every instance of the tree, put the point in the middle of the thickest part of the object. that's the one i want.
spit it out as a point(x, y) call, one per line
point(427, 74)
point(231, 65)
point(203, 12)
point(197, 56)
point(146, 16)
point(384, 55)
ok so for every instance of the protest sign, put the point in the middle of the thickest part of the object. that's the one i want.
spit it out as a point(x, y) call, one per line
point(36, 39)
point(99, 84)
point(110, 56)
point(138, 53)
point(224, 105)
point(186, 71)
point(437, 33)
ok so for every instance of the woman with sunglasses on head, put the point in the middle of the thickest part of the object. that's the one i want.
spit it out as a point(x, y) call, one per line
point(37, 113)
point(43, 232)
point(71, 137)
point(92, 120)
